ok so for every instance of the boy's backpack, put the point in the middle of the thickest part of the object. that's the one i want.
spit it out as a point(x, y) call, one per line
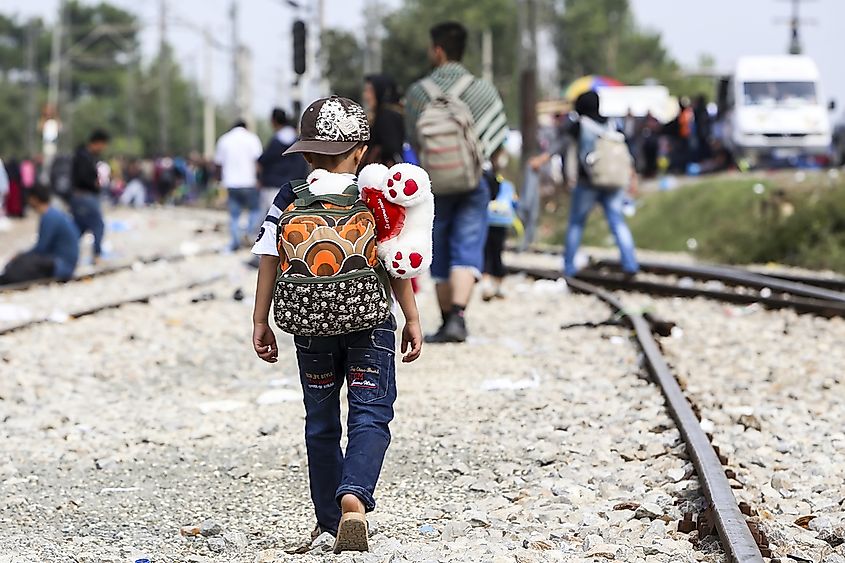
point(605, 155)
point(449, 147)
point(330, 280)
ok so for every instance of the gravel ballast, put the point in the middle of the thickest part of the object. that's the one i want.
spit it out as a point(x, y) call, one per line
point(152, 430)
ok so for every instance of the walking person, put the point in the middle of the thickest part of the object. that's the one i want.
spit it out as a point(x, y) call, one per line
point(332, 273)
point(587, 128)
point(56, 252)
point(237, 156)
point(277, 168)
point(85, 202)
point(501, 216)
point(455, 121)
point(381, 101)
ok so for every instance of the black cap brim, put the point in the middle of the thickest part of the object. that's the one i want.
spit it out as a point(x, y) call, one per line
point(331, 148)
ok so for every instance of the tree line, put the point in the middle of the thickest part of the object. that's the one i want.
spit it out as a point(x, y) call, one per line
point(103, 83)
point(106, 84)
point(589, 37)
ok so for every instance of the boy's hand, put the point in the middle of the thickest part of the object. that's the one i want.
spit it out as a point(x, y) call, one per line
point(264, 342)
point(412, 340)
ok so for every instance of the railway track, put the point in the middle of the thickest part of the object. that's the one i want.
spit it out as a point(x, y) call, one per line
point(741, 539)
point(810, 295)
point(112, 269)
point(114, 303)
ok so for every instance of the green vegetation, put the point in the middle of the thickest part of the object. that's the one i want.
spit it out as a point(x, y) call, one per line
point(602, 37)
point(107, 85)
point(789, 222)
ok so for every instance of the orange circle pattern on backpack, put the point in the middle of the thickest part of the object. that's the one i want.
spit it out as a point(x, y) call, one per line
point(312, 245)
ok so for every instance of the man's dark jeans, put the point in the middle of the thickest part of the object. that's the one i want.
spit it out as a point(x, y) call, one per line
point(88, 215)
point(365, 360)
point(28, 267)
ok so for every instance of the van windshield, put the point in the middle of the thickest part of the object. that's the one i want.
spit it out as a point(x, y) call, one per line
point(780, 93)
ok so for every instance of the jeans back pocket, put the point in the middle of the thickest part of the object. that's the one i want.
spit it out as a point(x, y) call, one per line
point(368, 374)
point(317, 375)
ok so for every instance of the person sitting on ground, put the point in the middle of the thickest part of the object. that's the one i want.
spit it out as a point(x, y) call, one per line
point(332, 273)
point(57, 251)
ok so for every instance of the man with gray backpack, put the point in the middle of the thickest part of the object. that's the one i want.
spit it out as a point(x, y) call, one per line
point(605, 170)
point(455, 122)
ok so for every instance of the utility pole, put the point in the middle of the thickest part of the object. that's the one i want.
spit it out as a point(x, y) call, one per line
point(208, 117)
point(795, 22)
point(528, 76)
point(236, 60)
point(163, 81)
point(372, 26)
point(487, 55)
point(32, 98)
point(132, 93)
point(56, 61)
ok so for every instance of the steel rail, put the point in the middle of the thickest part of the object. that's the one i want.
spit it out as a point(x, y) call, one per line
point(833, 283)
point(108, 270)
point(733, 530)
point(731, 526)
point(822, 308)
point(734, 276)
point(93, 309)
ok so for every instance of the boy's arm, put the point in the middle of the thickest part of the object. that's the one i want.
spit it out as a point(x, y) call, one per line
point(412, 333)
point(263, 339)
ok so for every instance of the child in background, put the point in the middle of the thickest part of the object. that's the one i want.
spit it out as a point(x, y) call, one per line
point(501, 215)
point(325, 298)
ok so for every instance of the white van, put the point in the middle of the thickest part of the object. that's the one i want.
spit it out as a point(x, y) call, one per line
point(772, 107)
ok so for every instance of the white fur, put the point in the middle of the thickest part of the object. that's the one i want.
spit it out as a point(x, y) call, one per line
point(415, 236)
point(323, 182)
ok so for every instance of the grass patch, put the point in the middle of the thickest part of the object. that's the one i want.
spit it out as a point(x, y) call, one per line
point(797, 219)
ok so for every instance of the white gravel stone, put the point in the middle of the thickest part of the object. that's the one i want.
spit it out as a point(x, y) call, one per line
point(503, 473)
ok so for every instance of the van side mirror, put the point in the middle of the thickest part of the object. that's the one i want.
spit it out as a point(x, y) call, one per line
point(831, 104)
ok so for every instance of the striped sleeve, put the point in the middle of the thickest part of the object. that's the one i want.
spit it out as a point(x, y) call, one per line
point(265, 244)
point(491, 123)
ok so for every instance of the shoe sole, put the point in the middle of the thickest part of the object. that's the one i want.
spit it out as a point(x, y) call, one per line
point(352, 533)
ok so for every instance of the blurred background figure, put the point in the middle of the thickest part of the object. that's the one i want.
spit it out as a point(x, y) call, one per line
point(585, 196)
point(501, 216)
point(237, 157)
point(56, 252)
point(135, 192)
point(85, 202)
point(4, 192)
point(387, 127)
point(276, 168)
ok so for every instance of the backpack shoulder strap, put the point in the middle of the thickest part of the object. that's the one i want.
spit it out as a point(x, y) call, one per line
point(346, 199)
point(299, 186)
point(458, 88)
point(431, 88)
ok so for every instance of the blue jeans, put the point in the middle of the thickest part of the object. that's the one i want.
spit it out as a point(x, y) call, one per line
point(583, 200)
point(365, 360)
point(240, 199)
point(460, 231)
point(88, 216)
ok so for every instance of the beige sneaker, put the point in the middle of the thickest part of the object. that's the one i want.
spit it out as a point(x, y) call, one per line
point(352, 533)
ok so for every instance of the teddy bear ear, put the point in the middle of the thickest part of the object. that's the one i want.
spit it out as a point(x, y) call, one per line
point(372, 175)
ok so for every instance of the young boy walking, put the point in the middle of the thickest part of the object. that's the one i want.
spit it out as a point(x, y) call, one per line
point(330, 290)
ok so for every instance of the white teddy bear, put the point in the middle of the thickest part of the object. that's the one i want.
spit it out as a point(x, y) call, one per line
point(402, 203)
